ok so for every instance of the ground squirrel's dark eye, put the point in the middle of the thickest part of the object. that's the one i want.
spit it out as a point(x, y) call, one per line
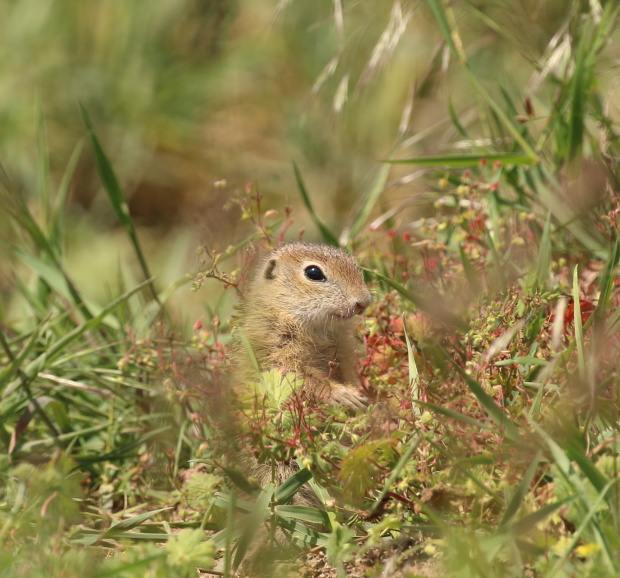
point(314, 273)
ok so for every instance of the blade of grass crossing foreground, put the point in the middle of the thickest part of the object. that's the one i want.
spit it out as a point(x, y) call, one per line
point(581, 358)
point(327, 235)
point(496, 413)
point(414, 376)
point(369, 199)
point(543, 265)
point(43, 169)
point(607, 283)
point(530, 521)
point(465, 161)
point(470, 272)
point(455, 415)
point(450, 33)
point(291, 486)
point(496, 259)
point(578, 97)
point(253, 523)
point(455, 120)
point(116, 196)
point(57, 226)
point(582, 498)
point(589, 45)
point(302, 535)
point(303, 513)
point(28, 223)
point(521, 491)
point(609, 555)
point(589, 469)
point(52, 275)
point(122, 526)
point(435, 309)
point(402, 462)
point(16, 361)
point(446, 31)
point(229, 535)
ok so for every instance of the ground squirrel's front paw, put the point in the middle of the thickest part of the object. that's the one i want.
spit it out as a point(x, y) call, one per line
point(349, 396)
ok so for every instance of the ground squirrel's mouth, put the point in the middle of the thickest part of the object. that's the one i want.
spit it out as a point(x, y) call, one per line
point(343, 316)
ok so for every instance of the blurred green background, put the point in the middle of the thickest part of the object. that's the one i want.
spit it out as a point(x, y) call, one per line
point(188, 94)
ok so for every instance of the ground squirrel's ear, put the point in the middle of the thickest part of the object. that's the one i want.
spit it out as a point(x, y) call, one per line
point(270, 269)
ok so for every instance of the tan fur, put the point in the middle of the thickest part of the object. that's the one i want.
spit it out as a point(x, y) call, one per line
point(304, 326)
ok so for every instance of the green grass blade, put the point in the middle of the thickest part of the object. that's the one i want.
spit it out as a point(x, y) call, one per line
point(302, 535)
point(449, 34)
point(43, 168)
point(522, 360)
point(303, 513)
point(414, 376)
point(527, 523)
point(444, 27)
point(581, 357)
point(470, 273)
point(54, 276)
point(16, 361)
point(57, 225)
point(291, 486)
point(591, 472)
point(607, 283)
point(327, 235)
point(412, 446)
point(455, 120)
point(466, 161)
point(116, 196)
point(520, 491)
point(435, 309)
point(252, 525)
point(24, 218)
point(543, 265)
point(60, 345)
point(578, 98)
point(592, 37)
point(496, 413)
point(131, 523)
point(455, 415)
point(369, 200)
point(608, 553)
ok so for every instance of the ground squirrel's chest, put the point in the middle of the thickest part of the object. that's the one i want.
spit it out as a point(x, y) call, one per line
point(308, 354)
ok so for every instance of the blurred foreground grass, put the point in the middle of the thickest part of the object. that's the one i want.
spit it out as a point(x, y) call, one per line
point(490, 348)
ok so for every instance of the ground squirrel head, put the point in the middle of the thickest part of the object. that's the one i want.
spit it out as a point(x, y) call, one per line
point(309, 284)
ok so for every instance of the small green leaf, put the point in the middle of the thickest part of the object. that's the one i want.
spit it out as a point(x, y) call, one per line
point(361, 466)
point(189, 550)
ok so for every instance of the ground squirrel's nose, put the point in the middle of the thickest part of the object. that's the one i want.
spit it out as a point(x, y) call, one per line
point(360, 306)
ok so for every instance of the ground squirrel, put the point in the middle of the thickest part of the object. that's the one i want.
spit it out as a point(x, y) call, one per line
point(298, 317)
